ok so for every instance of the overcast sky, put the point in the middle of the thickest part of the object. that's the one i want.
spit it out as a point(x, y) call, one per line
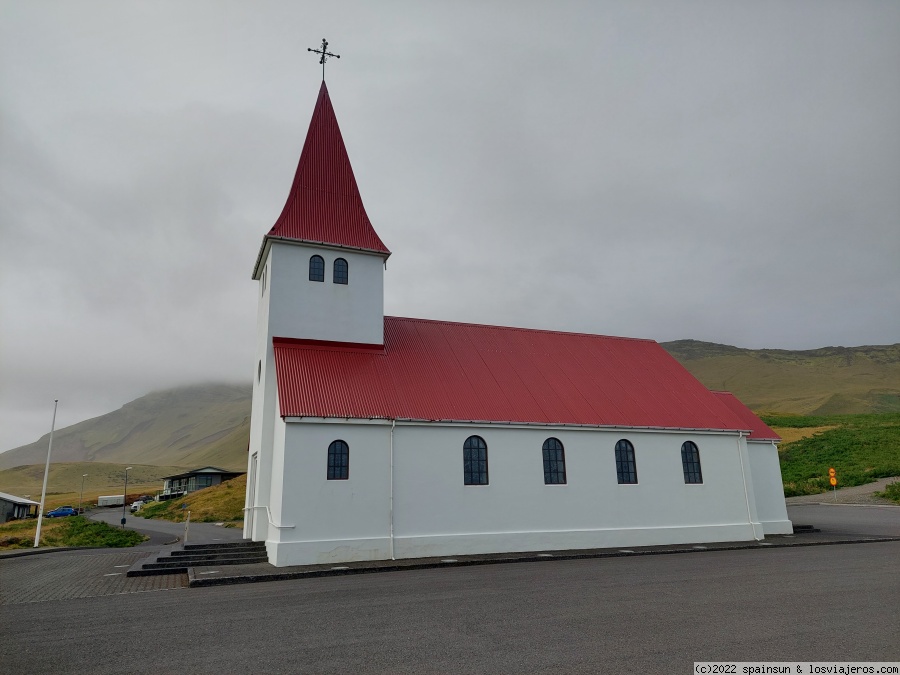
point(724, 171)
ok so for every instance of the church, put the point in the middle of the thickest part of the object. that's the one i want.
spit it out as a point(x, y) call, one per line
point(376, 437)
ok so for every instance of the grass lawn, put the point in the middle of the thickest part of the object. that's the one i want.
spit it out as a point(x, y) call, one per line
point(222, 503)
point(71, 531)
point(861, 449)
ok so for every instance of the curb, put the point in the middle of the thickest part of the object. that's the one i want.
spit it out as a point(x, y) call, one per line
point(195, 582)
point(55, 549)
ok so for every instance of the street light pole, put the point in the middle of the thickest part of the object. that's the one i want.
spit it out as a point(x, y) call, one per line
point(37, 535)
point(81, 495)
point(125, 496)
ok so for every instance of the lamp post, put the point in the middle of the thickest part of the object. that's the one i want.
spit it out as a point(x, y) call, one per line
point(81, 494)
point(125, 496)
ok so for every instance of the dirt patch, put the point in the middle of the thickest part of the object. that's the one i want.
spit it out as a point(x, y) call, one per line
point(791, 434)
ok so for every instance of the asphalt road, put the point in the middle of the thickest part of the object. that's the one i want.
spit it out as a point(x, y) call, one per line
point(161, 531)
point(654, 614)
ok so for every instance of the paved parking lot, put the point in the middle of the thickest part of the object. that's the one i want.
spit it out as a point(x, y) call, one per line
point(66, 575)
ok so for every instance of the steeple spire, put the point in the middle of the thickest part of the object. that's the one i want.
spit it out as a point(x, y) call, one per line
point(324, 205)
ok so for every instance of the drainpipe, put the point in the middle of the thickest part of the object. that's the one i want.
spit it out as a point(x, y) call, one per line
point(744, 480)
point(393, 423)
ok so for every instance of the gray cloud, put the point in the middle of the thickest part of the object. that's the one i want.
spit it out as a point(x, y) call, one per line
point(727, 172)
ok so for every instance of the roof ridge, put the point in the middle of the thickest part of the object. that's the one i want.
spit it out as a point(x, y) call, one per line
point(523, 329)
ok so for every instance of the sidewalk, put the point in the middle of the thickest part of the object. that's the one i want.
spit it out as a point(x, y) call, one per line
point(832, 525)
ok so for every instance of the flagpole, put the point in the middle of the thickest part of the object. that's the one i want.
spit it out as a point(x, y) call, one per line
point(37, 536)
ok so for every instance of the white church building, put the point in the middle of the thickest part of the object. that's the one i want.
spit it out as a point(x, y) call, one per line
point(376, 437)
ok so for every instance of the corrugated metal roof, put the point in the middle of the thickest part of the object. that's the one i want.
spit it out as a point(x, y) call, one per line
point(760, 431)
point(444, 371)
point(324, 205)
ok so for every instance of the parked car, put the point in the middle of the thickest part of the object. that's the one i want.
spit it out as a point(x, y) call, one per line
point(136, 505)
point(62, 511)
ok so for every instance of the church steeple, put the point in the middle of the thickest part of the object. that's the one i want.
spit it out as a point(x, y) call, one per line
point(324, 206)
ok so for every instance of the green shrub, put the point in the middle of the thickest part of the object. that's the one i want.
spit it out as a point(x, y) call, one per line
point(78, 531)
point(892, 492)
point(861, 449)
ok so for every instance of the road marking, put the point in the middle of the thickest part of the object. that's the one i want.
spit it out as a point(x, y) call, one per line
point(121, 565)
point(544, 555)
point(340, 568)
point(625, 550)
point(700, 548)
point(449, 560)
point(210, 572)
point(112, 574)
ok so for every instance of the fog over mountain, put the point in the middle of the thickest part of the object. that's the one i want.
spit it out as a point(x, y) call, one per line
point(668, 169)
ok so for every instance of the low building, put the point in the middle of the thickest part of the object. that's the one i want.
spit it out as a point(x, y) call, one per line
point(13, 508)
point(197, 479)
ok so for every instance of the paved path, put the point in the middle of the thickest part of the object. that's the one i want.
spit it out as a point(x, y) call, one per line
point(859, 494)
point(199, 533)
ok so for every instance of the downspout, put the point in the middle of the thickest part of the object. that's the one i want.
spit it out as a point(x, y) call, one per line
point(393, 423)
point(744, 480)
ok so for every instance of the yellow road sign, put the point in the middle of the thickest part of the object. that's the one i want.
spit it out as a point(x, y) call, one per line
point(833, 480)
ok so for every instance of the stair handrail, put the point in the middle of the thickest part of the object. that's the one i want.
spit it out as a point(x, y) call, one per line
point(269, 516)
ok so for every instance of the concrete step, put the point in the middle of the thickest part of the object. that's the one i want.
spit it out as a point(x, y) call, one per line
point(179, 565)
point(805, 529)
point(237, 551)
point(197, 558)
point(226, 545)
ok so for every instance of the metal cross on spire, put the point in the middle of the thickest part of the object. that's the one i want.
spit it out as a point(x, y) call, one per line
point(325, 54)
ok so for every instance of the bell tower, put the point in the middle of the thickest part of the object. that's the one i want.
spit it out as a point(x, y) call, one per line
point(320, 269)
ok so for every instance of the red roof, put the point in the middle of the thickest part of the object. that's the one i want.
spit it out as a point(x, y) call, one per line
point(324, 205)
point(759, 430)
point(438, 370)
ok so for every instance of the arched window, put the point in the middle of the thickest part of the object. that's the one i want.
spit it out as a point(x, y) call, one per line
point(338, 461)
point(341, 271)
point(554, 462)
point(316, 268)
point(626, 469)
point(690, 462)
point(475, 462)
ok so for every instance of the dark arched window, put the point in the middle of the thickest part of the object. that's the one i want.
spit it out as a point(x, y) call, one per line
point(690, 462)
point(626, 469)
point(338, 461)
point(341, 271)
point(475, 463)
point(554, 462)
point(316, 268)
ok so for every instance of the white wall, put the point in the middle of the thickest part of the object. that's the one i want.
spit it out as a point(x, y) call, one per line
point(768, 488)
point(435, 514)
point(333, 520)
point(292, 306)
point(316, 310)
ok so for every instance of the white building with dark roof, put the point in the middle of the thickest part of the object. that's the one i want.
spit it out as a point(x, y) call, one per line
point(378, 437)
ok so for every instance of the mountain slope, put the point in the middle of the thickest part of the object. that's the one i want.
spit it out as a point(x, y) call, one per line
point(826, 381)
point(210, 424)
point(189, 426)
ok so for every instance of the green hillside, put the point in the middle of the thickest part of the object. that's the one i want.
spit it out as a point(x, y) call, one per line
point(826, 381)
point(188, 427)
point(210, 424)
